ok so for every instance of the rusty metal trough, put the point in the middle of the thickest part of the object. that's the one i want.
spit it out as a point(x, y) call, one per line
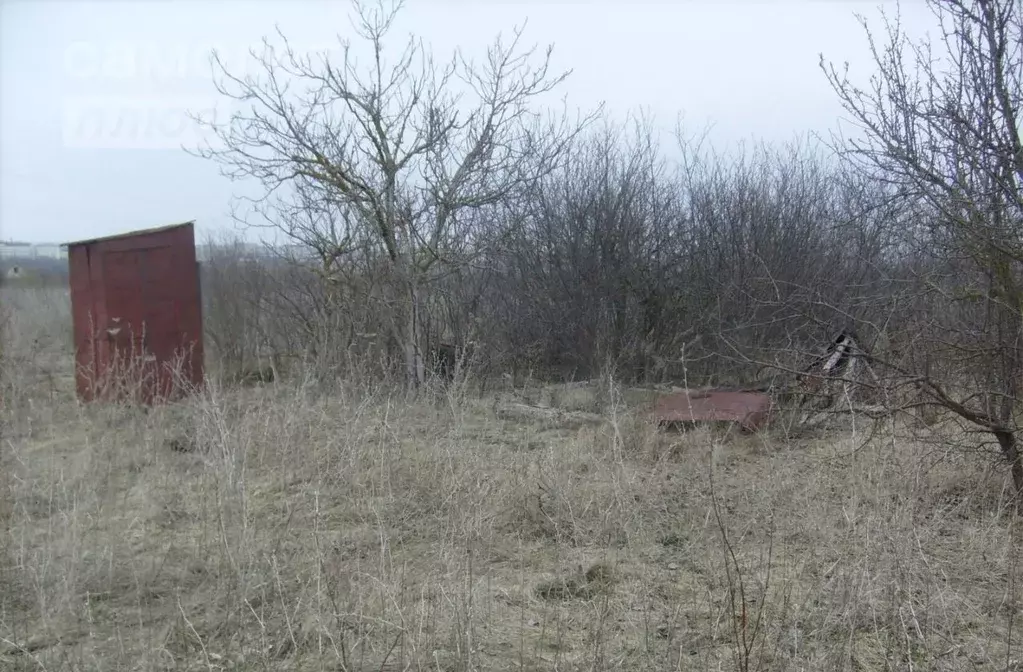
point(749, 409)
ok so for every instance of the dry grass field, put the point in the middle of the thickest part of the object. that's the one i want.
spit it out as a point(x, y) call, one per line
point(273, 528)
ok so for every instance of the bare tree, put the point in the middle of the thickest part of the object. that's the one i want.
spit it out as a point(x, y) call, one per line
point(939, 121)
point(388, 158)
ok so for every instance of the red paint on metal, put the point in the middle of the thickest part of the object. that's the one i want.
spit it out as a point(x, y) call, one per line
point(750, 410)
point(137, 314)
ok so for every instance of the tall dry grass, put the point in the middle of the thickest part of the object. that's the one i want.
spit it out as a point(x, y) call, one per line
point(279, 528)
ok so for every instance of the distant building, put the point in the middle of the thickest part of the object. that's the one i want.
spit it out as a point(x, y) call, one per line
point(11, 249)
point(50, 251)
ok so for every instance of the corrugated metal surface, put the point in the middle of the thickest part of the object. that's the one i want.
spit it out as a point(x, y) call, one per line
point(137, 313)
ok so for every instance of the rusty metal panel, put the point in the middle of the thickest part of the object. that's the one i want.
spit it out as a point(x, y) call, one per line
point(86, 312)
point(750, 410)
point(137, 313)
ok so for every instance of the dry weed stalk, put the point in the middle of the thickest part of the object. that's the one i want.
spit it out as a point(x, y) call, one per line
point(746, 611)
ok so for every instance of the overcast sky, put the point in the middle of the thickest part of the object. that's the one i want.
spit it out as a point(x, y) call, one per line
point(748, 67)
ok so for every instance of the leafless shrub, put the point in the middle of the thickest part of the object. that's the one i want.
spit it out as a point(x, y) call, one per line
point(617, 258)
point(940, 123)
point(268, 314)
point(237, 315)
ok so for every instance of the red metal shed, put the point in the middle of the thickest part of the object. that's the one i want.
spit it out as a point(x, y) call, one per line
point(137, 313)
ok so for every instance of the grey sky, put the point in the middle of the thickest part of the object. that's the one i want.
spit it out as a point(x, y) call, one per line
point(748, 67)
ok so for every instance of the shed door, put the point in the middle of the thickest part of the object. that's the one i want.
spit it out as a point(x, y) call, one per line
point(144, 311)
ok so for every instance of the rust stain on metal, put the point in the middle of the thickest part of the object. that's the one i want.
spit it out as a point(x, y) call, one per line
point(750, 410)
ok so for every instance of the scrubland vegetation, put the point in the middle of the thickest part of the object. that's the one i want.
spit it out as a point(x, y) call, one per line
point(337, 498)
point(280, 527)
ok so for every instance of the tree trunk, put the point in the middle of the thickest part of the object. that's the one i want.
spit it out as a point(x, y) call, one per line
point(415, 367)
point(1010, 449)
point(1007, 438)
